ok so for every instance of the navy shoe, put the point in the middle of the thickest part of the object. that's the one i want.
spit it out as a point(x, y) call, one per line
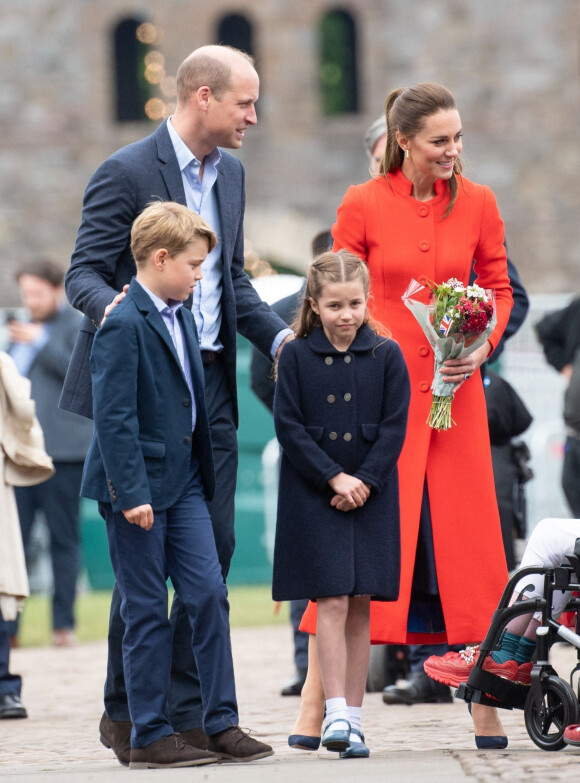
point(482, 742)
point(303, 742)
point(356, 748)
point(336, 734)
point(491, 743)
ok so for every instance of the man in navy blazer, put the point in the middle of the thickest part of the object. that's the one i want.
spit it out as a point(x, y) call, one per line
point(181, 161)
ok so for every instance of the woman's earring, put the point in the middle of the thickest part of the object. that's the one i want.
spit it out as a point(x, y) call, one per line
point(407, 152)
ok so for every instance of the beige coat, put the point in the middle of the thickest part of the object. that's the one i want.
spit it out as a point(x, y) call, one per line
point(23, 462)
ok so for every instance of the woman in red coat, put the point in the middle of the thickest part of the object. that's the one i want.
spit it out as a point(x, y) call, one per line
point(420, 218)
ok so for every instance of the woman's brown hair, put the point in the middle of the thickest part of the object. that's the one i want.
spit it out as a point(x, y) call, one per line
point(406, 110)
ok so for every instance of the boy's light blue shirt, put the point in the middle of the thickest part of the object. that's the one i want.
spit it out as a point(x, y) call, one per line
point(168, 312)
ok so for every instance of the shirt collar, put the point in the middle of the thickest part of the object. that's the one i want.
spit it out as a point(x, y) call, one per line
point(172, 304)
point(184, 155)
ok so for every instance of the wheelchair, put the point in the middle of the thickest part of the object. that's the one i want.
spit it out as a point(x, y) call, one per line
point(550, 703)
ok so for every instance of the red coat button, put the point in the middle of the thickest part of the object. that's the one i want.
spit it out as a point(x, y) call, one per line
point(423, 350)
point(424, 386)
point(424, 245)
point(423, 211)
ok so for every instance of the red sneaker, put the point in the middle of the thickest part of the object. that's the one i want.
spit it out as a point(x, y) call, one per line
point(524, 673)
point(454, 668)
point(572, 734)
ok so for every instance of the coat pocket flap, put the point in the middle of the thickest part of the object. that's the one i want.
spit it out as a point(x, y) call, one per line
point(153, 448)
point(369, 431)
point(316, 432)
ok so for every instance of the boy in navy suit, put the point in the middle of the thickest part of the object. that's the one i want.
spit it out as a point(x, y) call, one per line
point(150, 466)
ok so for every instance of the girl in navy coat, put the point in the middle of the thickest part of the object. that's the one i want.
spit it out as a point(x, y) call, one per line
point(340, 412)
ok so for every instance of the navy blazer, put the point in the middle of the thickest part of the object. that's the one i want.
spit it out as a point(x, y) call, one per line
point(141, 449)
point(102, 262)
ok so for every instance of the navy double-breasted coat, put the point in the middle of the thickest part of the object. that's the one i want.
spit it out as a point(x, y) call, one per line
point(339, 411)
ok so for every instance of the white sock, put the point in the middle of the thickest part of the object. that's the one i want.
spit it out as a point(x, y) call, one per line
point(354, 717)
point(336, 709)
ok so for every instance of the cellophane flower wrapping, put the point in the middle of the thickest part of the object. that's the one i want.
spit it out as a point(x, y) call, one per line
point(456, 321)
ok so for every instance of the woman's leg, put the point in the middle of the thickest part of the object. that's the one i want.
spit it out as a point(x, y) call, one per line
point(486, 721)
point(311, 713)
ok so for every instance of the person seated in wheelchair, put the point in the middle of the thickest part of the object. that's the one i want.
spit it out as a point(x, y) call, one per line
point(548, 545)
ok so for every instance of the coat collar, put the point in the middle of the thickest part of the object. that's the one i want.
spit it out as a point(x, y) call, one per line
point(404, 187)
point(365, 340)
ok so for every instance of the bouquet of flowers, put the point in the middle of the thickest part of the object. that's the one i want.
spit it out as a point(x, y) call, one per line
point(457, 320)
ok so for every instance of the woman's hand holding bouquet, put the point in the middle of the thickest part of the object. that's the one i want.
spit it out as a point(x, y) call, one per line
point(457, 322)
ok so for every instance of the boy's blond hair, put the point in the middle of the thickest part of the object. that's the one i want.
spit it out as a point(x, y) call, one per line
point(167, 225)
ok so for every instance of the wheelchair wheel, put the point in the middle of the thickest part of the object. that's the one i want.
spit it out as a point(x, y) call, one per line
point(559, 709)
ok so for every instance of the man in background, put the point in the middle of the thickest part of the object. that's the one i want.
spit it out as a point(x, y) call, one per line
point(41, 347)
point(559, 335)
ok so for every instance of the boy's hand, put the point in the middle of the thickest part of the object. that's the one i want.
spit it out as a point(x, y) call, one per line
point(140, 515)
point(117, 300)
point(349, 489)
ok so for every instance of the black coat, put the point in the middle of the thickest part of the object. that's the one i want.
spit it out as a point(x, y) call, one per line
point(334, 412)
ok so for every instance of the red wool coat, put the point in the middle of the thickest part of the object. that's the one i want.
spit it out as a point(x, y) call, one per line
point(401, 238)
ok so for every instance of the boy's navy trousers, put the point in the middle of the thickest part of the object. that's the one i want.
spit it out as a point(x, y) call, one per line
point(180, 545)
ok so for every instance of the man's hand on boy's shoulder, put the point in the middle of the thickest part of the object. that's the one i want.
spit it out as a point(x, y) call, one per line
point(117, 300)
point(140, 515)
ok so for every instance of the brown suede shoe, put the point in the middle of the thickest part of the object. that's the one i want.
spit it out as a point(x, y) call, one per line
point(117, 736)
point(233, 744)
point(197, 738)
point(169, 751)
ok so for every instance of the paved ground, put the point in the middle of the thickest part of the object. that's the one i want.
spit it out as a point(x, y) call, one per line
point(420, 744)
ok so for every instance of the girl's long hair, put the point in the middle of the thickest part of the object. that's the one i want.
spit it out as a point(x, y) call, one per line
point(406, 110)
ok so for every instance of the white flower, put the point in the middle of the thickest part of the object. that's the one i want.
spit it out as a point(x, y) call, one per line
point(476, 292)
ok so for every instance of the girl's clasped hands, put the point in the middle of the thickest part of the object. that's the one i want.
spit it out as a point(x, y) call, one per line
point(350, 492)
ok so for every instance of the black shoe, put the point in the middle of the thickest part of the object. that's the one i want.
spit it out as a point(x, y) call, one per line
point(420, 690)
point(294, 687)
point(11, 706)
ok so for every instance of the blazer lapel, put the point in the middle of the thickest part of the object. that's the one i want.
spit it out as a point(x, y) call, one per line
point(189, 334)
point(169, 168)
point(225, 208)
point(154, 317)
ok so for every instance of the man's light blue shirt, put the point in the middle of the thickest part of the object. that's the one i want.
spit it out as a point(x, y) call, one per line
point(200, 196)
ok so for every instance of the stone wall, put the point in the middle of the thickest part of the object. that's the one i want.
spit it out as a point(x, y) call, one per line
point(513, 68)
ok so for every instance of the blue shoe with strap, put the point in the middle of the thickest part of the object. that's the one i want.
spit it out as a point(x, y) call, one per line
point(335, 735)
point(356, 747)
